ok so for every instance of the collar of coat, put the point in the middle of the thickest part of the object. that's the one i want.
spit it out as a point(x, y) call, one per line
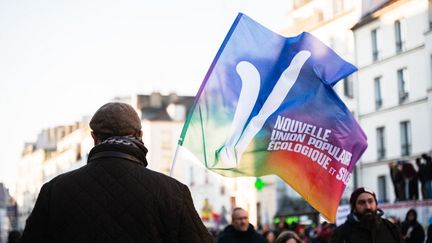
point(135, 154)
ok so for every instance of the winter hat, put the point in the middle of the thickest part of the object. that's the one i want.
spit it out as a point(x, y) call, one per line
point(356, 193)
point(115, 119)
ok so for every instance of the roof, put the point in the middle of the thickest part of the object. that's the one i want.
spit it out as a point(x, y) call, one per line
point(376, 12)
point(154, 106)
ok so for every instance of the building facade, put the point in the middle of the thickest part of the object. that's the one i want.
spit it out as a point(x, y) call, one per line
point(56, 150)
point(393, 56)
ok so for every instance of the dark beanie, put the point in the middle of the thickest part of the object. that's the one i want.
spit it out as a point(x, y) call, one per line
point(115, 119)
point(356, 193)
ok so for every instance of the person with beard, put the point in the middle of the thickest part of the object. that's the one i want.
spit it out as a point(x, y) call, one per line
point(364, 224)
point(114, 197)
point(412, 231)
point(240, 230)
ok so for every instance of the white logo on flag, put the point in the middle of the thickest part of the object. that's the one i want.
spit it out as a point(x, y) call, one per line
point(240, 136)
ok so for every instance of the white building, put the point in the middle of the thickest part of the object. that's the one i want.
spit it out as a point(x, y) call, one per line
point(393, 54)
point(29, 181)
point(56, 150)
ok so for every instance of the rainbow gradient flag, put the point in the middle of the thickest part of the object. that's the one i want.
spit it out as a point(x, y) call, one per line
point(267, 106)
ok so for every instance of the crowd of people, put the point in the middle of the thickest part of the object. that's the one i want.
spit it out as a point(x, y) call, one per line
point(406, 178)
point(364, 224)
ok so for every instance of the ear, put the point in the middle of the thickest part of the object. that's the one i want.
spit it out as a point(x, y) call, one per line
point(139, 134)
point(94, 138)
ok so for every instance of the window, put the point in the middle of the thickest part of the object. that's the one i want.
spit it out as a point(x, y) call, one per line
point(430, 14)
point(222, 190)
point(402, 76)
point(259, 213)
point(430, 81)
point(375, 45)
point(299, 3)
point(405, 133)
point(378, 97)
point(382, 191)
point(191, 177)
point(348, 87)
point(338, 6)
point(381, 151)
point(399, 27)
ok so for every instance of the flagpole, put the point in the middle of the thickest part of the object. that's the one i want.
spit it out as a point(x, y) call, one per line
point(174, 160)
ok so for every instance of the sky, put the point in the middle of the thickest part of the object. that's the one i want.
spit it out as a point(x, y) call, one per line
point(61, 60)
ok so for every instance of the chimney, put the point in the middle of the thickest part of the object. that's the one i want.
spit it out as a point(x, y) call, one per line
point(155, 100)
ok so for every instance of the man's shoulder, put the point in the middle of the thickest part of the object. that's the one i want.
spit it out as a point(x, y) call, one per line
point(146, 173)
point(165, 179)
point(64, 177)
point(342, 232)
point(390, 225)
point(259, 238)
point(342, 228)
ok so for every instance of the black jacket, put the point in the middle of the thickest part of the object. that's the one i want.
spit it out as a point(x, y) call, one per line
point(412, 231)
point(231, 235)
point(114, 198)
point(355, 231)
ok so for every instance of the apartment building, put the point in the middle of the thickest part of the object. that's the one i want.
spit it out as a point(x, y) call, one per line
point(393, 54)
point(56, 150)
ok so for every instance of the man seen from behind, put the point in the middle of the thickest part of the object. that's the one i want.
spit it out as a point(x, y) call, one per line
point(114, 198)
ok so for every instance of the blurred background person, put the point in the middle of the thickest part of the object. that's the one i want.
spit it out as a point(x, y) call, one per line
point(14, 236)
point(240, 230)
point(429, 231)
point(412, 231)
point(288, 236)
point(269, 236)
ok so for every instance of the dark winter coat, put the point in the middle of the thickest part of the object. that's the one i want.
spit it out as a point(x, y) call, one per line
point(231, 235)
point(114, 198)
point(429, 234)
point(355, 231)
point(412, 230)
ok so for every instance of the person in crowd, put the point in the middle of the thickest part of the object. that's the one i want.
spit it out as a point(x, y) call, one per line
point(410, 175)
point(114, 197)
point(288, 236)
point(324, 233)
point(269, 236)
point(14, 236)
point(398, 180)
point(412, 231)
point(364, 224)
point(240, 230)
point(281, 226)
point(428, 172)
point(422, 176)
point(429, 231)
point(301, 232)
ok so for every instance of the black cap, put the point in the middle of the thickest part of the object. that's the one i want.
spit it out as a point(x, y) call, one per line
point(356, 193)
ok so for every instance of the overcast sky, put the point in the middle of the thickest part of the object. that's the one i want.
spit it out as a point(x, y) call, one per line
point(60, 60)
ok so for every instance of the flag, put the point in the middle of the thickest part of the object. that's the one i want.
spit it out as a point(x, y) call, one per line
point(267, 106)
